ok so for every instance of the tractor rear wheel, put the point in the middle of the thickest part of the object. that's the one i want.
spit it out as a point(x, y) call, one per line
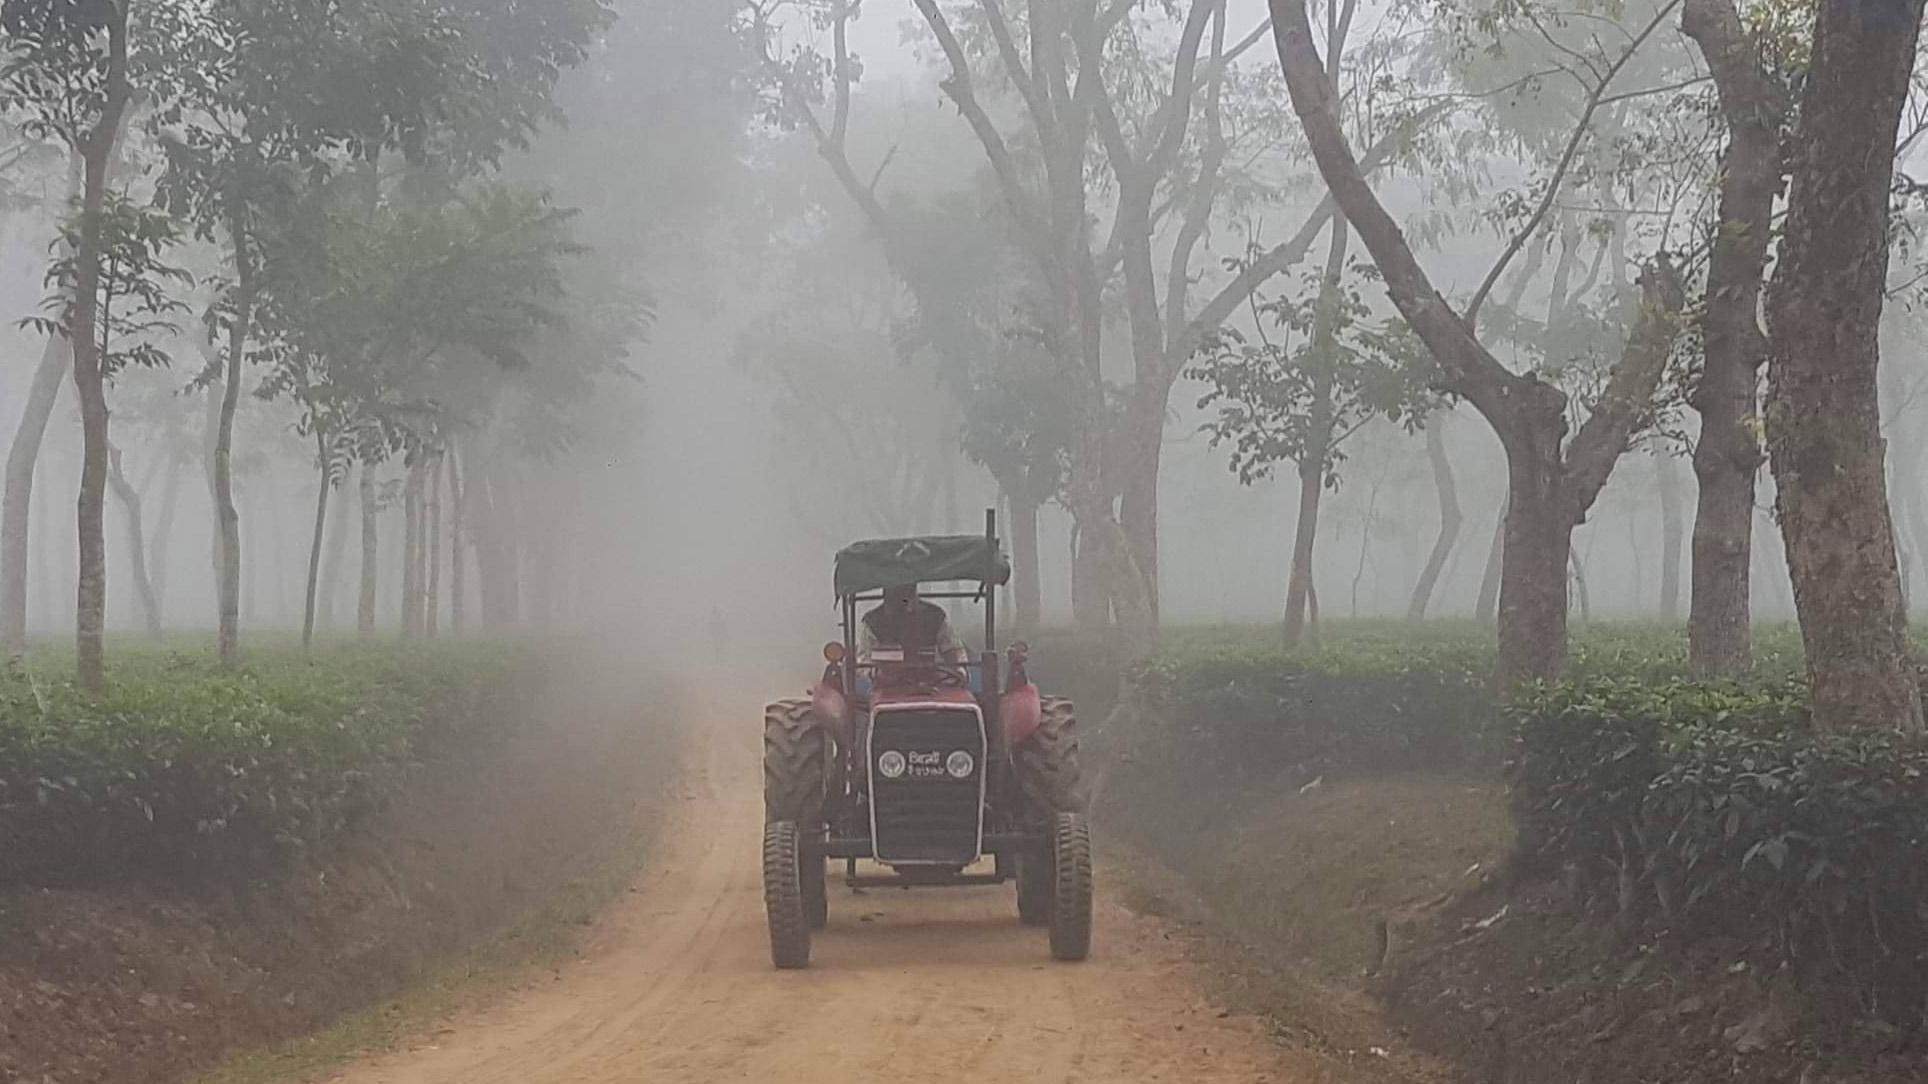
point(783, 895)
point(1071, 887)
point(794, 759)
point(1048, 771)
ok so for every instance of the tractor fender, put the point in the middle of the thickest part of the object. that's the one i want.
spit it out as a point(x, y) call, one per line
point(832, 710)
point(1021, 710)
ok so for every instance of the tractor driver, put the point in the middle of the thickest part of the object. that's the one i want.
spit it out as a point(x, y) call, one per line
point(908, 622)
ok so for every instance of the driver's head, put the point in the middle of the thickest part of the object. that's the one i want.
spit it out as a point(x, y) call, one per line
point(900, 598)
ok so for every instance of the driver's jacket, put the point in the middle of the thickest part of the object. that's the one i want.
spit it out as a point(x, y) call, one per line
point(925, 627)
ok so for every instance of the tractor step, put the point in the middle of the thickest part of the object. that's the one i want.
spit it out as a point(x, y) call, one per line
point(898, 881)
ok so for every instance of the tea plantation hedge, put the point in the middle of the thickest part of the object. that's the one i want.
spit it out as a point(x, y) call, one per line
point(183, 768)
point(1673, 807)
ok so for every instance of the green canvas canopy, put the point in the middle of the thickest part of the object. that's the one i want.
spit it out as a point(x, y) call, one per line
point(907, 562)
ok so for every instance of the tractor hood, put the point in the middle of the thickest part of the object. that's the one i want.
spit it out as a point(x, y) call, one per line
point(906, 562)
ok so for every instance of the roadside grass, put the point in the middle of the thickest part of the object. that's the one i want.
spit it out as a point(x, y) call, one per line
point(1332, 1021)
point(549, 936)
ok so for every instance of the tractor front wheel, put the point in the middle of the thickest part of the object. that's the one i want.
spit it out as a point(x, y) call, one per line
point(783, 895)
point(1071, 887)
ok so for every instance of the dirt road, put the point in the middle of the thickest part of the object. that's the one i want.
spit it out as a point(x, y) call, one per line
point(676, 986)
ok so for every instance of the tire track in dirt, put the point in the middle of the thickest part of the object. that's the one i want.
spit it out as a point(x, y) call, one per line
point(675, 986)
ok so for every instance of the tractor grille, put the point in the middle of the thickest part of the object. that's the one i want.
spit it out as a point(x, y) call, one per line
point(927, 814)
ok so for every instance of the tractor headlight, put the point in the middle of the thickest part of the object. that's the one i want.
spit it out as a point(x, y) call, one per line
point(960, 764)
point(891, 764)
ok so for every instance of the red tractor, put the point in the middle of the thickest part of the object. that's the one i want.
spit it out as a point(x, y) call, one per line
point(923, 764)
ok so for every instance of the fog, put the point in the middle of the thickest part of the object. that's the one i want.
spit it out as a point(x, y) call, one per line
point(789, 389)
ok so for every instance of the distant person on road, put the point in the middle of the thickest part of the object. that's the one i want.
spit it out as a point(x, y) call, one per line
point(911, 624)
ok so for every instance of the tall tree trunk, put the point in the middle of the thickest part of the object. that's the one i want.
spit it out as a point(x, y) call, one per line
point(130, 502)
point(1584, 597)
point(1728, 456)
point(331, 566)
point(1551, 485)
point(1138, 519)
point(1029, 591)
point(1487, 609)
point(1312, 459)
point(1912, 508)
point(17, 505)
point(1672, 534)
point(458, 544)
point(371, 552)
point(324, 482)
point(97, 153)
point(1450, 519)
point(1365, 544)
point(1533, 568)
point(161, 543)
point(1090, 609)
point(1533, 586)
point(228, 516)
point(432, 552)
point(1298, 588)
point(412, 552)
point(211, 436)
point(1823, 416)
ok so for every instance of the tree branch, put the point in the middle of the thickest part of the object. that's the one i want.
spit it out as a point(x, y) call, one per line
point(1289, 253)
point(1204, 196)
point(958, 88)
point(1630, 389)
point(1466, 366)
point(1580, 129)
point(1007, 48)
point(840, 57)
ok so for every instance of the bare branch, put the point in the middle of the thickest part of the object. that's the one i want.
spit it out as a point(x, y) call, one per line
point(1007, 48)
point(1629, 395)
point(1294, 249)
point(1580, 129)
point(1204, 196)
point(1650, 92)
point(840, 57)
point(958, 87)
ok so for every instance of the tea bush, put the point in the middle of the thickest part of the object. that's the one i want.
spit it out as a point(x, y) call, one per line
point(1363, 705)
point(183, 768)
point(1716, 811)
point(1672, 805)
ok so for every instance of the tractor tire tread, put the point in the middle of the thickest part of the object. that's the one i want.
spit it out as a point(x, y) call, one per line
point(795, 756)
point(1071, 887)
point(783, 896)
point(1049, 773)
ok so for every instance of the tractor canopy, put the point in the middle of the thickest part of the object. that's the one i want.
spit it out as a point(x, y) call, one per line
point(906, 562)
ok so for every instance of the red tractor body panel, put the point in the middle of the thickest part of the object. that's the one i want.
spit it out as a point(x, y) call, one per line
point(1021, 711)
point(832, 708)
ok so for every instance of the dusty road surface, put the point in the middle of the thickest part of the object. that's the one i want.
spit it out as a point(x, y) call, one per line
point(676, 986)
